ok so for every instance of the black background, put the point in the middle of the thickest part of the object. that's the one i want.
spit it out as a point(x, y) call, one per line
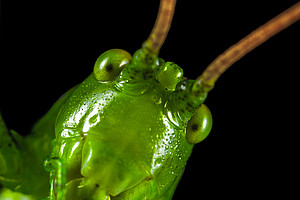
point(49, 46)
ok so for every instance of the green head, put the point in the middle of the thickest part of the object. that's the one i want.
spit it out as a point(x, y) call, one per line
point(130, 127)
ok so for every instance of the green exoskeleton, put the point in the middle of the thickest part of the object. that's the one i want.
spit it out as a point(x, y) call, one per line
point(125, 132)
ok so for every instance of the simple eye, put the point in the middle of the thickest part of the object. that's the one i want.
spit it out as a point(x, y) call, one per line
point(109, 64)
point(199, 125)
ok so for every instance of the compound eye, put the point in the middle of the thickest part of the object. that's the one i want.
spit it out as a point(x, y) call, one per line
point(109, 64)
point(199, 125)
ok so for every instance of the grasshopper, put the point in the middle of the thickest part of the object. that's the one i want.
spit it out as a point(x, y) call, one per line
point(54, 159)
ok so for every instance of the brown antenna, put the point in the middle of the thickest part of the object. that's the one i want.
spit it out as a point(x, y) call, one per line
point(162, 26)
point(208, 78)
